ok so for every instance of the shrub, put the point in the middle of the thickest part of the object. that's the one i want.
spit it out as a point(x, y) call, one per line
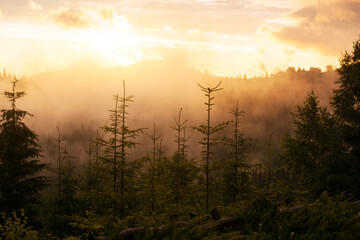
point(15, 227)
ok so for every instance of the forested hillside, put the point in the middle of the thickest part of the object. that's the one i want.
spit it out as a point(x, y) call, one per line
point(160, 89)
point(160, 151)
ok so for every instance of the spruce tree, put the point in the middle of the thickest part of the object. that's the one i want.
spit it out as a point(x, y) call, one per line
point(346, 104)
point(61, 199)
point(314, 152)
point(346, 99)
point(179, 156)
point(115, 150)
point(208, 140)
point(236, 168)
point(20, 168)
point(154, 138)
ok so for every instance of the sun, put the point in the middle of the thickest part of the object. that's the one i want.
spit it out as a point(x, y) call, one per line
point(115, 46)
point(112, 42)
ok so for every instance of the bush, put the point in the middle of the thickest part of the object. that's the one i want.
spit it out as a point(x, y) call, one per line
point(15, 227)
point(323, 219)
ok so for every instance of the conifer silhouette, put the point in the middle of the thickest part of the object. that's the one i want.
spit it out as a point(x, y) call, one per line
point(20, 168)
point(115, 148)
point(208, 141)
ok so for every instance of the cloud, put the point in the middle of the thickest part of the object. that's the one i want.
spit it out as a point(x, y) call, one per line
point(281, 4)
point(307, 13)
point(323, 26)
point(262, 50)
point(289, 52)
point(70, 18)
point(231, 17)
point(107, 14)
point(84, 17)
point(34, 6)
point(213, 2)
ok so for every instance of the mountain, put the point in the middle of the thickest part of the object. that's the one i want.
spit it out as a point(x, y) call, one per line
point(78, 99)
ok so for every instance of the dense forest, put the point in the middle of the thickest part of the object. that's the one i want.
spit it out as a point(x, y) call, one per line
point(269, 157)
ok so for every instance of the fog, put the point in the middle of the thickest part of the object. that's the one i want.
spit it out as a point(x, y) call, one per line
point(78, 100)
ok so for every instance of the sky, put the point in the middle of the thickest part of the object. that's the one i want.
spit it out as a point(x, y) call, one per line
point(221, 37)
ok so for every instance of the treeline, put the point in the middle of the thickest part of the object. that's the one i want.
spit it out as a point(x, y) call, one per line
point(114, 192)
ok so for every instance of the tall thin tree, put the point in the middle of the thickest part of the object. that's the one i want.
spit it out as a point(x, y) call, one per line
point(154, 140)
point(269, 161)
point(234, 179)
point(116, 148)
point(208, 131)
point(179, 127)
point(59, 171)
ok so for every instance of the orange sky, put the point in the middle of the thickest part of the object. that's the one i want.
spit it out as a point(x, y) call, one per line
point(223, 37)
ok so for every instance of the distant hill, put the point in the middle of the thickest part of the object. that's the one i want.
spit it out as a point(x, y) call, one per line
point(78, 99)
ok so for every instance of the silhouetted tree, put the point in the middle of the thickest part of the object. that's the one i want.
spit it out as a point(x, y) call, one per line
point(314, 152)
point(20, 168)
point(60, 201)
point(116, 146)
point(94, 185)
point(236, 168)
point(92, 173)
point(269, 161)
point(89, 150)
point(60, 169)
point(178, 127)
point(346, 103)
point(208, 140)
point(153, 166)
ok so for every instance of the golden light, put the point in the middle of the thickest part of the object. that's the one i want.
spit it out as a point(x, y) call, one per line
point(114, 42)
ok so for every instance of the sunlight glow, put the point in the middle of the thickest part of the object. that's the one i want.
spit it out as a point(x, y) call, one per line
point(232, 40)
point(111, 43)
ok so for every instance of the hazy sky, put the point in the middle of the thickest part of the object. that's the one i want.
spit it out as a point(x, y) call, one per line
point(223, 37)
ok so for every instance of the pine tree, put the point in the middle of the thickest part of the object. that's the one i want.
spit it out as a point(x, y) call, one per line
point(269, 162)
point(60, 201)
point(19, 153)
point(154, 183)
point(346, 104)
point(207, 130)
point(236, 168)
point(153, 166)
point(89, 175)
point(346, 99)
point(94, 183)
point(179, 127)
point(115, 150)
point(92, 173)
point(314, 152)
